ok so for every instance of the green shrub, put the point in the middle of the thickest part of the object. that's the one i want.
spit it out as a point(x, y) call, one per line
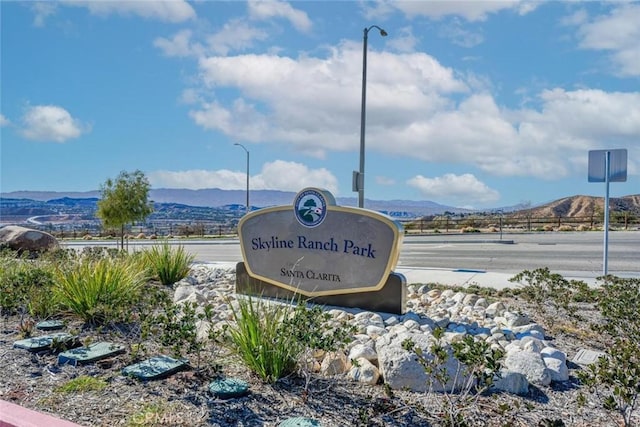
point(615, 377)
point(99, 291)
point(168, 264)
point(479, 365)
point(176, 326)
point(552, 295)
point(22, 282)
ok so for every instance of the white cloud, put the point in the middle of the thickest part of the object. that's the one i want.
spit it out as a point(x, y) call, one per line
point(4, 121)
point(385, 180)
point(470, 10)
point(314, 103)
point(198, 179)
point(51, 123)
point(42, 10)
point(179, 45)
point(619, 33)
point(415, 108)
point(277, 175)
point(376, 10)
point(460, 35)
point(174, 11)
point(404, 41)
point(291, 176)
point(261, 9)
point(462, 189)
point(241, 121)
point(235, 35)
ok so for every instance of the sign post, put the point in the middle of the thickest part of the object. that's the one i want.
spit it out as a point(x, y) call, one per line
point(607, 166)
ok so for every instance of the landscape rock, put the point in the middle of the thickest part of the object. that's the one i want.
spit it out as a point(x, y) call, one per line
point(334, 363)
point(365, 351)
point(401, 369)
point(24, 239)
point(557, 369)
point(377, 347)
point(512, 382)
point(364, 372)
point(530, 365)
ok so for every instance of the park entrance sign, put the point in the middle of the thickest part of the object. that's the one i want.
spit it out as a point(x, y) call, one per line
point(333, 254)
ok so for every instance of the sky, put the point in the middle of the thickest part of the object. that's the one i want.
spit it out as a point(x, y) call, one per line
point(477, 104)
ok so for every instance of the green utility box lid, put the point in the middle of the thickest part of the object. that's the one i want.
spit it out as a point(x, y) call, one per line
point(44, 342)
point(155, 368)
point(228, 388)
point(50, 325)
point(91, 353)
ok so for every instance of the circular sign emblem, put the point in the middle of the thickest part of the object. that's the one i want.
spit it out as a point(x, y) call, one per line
point(310, 207)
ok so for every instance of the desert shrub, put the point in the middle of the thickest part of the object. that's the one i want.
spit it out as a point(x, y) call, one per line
point(551, 294)
point(176, 327)
point(469, 230)
point(168, 264)
point(615, 377)
point(22, 280)
point(479, 365)
point(272, 338)
point(100, 290)
point(42, 302)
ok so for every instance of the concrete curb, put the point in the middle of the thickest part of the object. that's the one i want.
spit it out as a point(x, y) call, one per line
point(12, 415)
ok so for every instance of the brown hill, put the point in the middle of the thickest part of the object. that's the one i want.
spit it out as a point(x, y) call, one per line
point(582, 206)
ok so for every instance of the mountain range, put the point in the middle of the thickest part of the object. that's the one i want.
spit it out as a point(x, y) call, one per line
point(215, 197)
point(176, 199)
point(582, 206)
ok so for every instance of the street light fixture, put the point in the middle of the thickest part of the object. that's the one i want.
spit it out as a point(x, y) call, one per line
point(247, 151)
point(358, 177)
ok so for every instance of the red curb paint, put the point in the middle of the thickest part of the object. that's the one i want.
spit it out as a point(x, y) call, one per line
point(12, 415)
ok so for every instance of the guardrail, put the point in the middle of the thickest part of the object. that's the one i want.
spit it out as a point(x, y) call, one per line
point(497, 223)
point(430, 224)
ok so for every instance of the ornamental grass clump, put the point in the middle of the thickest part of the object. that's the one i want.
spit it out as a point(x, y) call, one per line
point(168, 264)
point(259, 339)
point(274, 338)
point(99, 291)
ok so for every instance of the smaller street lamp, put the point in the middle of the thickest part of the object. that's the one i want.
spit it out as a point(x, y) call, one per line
point(247, 151)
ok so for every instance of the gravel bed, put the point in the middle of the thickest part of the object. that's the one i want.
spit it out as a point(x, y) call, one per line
point(33, 380)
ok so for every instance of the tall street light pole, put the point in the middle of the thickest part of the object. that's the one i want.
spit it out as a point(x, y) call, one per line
point(247, 151)
point(358, 179)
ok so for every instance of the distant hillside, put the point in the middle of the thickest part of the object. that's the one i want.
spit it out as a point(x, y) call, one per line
point(215, 197)
point(581, 206)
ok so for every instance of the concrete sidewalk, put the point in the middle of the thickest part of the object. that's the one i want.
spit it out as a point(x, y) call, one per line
point(460, 277)
point(463, 277)
point(482, 278)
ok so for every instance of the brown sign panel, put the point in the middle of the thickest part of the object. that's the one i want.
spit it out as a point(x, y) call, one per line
point(316, 248)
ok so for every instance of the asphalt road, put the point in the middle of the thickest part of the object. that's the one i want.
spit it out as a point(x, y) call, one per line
point(567, 253)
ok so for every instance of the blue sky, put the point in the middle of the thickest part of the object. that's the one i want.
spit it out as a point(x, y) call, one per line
point(469, 103)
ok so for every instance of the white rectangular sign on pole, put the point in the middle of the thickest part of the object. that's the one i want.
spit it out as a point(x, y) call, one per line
point(607, 166)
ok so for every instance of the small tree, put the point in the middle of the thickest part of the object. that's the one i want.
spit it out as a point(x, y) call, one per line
point(124, 200)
